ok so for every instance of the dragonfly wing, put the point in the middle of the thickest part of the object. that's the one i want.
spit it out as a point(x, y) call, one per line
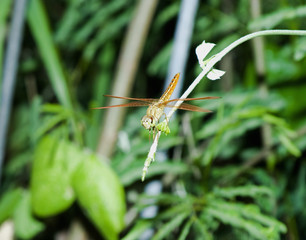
point(131, 104)
point(185, 106)
point(188, 107)
point(190, 99)
point(147, 100)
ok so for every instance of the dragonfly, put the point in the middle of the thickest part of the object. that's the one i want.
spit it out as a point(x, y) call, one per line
point(156, 106)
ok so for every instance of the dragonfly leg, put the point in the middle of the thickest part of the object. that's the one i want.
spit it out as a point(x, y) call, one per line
point(166, 118)
point(150, 135)
point(153, 130)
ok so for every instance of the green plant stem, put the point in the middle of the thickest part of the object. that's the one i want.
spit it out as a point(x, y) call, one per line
point(40, 28)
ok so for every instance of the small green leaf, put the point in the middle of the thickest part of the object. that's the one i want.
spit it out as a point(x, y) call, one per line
point(26, 226)
point(8, 203)
point(163, 127)
point(269, 21)
point(234, 219)
point(137, 230)
point(202, 230)
point(132, 173)
point(247, 217)
point(289, 145)
point(186, 229)
point(243, 191)
point(101, 195)
point(162, 199)
point(274, 120)
point(49, 123)
point(172, 212)
point(167, 228)
point(53, 108)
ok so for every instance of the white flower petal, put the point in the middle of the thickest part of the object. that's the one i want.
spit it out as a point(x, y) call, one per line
point(203, 49)
point(215, 74)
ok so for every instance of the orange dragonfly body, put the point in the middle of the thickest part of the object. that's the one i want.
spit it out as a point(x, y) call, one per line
point(156, 106)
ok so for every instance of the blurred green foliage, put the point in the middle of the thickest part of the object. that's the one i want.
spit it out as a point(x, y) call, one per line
point(220, 180)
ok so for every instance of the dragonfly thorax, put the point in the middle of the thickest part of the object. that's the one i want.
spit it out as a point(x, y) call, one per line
point(154, 112)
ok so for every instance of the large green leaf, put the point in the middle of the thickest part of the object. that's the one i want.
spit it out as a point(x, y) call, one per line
point(101, 194)
point(62, 172)
point(54, 162)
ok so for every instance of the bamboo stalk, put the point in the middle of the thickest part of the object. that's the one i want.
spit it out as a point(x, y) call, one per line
point(126, 69)
point(10, 70)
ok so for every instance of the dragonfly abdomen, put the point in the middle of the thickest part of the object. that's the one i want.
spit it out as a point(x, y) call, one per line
point(167, 94)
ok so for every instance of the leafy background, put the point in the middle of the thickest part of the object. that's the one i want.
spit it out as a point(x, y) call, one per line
point(238, 173)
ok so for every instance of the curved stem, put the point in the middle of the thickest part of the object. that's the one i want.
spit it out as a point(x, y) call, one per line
point(221, 54)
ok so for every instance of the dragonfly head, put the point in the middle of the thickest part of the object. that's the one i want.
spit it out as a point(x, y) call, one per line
point(148, 122)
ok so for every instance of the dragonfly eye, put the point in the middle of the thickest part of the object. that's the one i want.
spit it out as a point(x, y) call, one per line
point(147, 122)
